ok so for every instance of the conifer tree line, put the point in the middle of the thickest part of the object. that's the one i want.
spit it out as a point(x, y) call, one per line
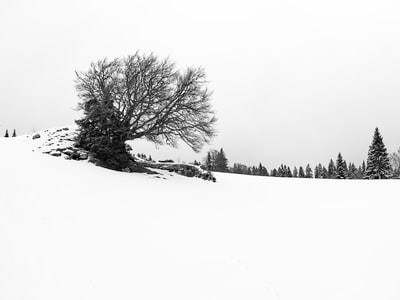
point(14, 134)
point(379, 165)
point(216, 161)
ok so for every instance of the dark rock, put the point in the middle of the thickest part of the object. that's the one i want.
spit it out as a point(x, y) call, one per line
point(166, 161)
point(75, 156)
point(36, 136)
point(68, 152)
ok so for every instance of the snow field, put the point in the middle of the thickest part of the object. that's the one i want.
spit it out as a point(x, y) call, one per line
point(70, 230)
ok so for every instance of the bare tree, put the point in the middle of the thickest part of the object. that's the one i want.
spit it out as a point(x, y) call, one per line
point(143, 97)
point(394, 159)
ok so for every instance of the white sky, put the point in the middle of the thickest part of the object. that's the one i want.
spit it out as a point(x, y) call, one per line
point(294, 82)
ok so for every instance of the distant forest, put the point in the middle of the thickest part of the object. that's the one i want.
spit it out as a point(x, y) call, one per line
point(379, 165)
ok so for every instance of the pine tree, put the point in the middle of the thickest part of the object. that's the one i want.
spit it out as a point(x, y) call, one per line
point(239, 168)
point(316, 172)
point(309, 172)
point(394, 159)
point(253, 170)
point(295, 172)
point(14, 133)
point(353, 171)
point(346, 169)
point(363, 169)
point(301, 172)
point(6, 135)
point(281, 172)
point(262, 170)
point(285, 171)
point(378, 165)
point(221, 162)
point(350, 171)
point(324, 172)
point(359, 173)
point(289, 172)
point(331, 169)
point(340, 167)
point(320, 171)
point(208, 161)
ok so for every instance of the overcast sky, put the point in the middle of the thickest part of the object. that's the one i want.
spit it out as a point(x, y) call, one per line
point(293, 82)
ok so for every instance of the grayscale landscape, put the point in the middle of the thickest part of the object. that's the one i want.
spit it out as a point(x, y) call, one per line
point(199, 150)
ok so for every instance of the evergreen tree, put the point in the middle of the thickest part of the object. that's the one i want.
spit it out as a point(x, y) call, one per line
point(259, 169)
point(253, 170)
point(378, 165)
point(346, 169)
point(239, 168)
point(353, 171)
point(350, 171)
point(301, 172)
point(340, 167)
point(320, 171)
point(248, 170)
point(235, 168)
point(262, 170)
point(6, 135)
point(394, 159)
point(281, 172)
point(309, 172)
point(331, 169)
point(359, 173)
point(324, 172)
point(295, 172)
point(289, 172)
point(363, 169)
point(196, 163)
point(211, 160)
point(208, 161)
point(285, 171)
point(14, 133)
point(316, 172)
point(100, 134)
point(221, 163)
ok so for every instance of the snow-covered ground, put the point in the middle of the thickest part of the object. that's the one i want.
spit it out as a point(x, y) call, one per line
point(71, 230)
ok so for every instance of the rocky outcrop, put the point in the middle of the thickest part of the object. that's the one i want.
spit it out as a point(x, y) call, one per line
point(61, 143)
point(182, 169)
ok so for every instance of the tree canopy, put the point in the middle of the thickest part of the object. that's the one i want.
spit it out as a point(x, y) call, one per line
point(141, 96)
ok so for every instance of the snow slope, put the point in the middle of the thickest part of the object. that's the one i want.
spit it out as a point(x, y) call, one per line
point(70, 230)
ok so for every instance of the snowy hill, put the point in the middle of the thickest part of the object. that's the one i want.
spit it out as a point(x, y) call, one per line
point(71, 230)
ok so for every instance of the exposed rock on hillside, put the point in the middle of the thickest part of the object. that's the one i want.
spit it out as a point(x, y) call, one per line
point(60, 142)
